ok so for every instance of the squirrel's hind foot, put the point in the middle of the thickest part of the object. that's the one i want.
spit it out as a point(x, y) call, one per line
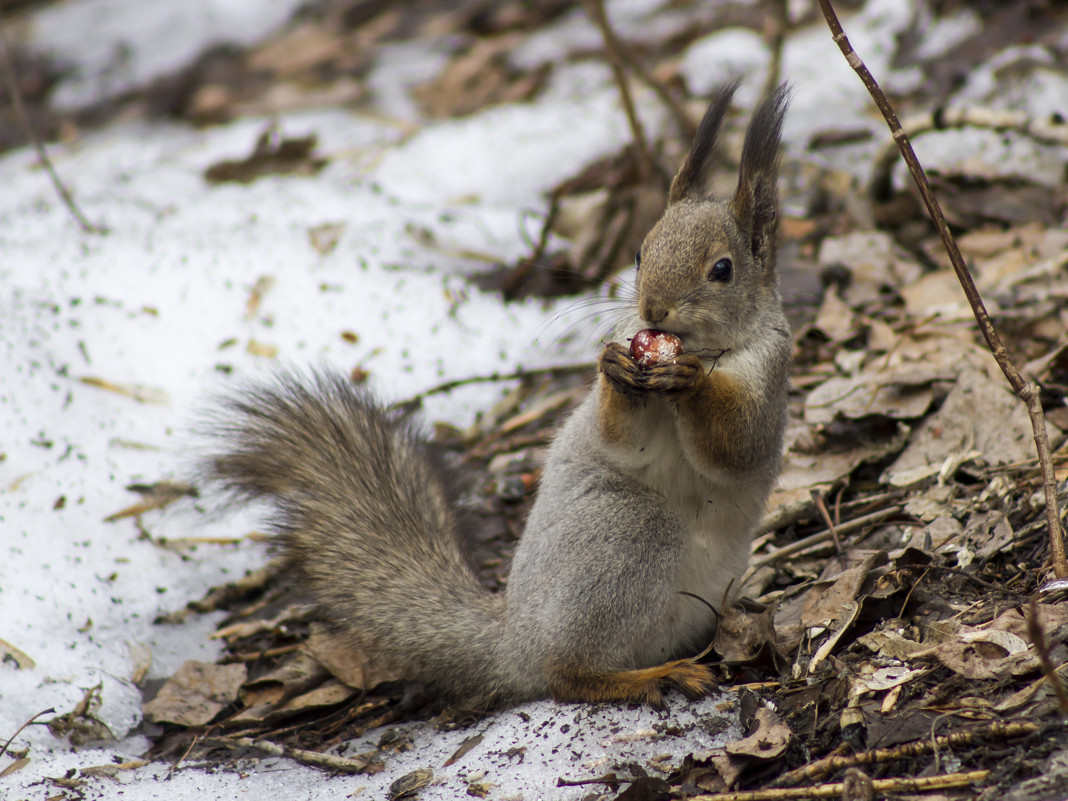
point(646, 685)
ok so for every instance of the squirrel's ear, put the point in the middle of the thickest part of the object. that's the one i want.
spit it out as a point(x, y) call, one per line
point(756, 201)
point(689, 182)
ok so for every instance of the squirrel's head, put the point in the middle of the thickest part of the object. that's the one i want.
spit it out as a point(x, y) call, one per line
point(707, 269)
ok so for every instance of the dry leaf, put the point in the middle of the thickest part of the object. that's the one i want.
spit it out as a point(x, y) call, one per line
point(835, 318)
point(263, 285)
point(875, 262)
point(479, 77)
point(742, 635)
point(979, 415)
point(196, 693)
point(295, 676)
point(141, 656)
point(272, 155)
point(346, 661)
point(901, 393)
point(770, 739)
point(18, 764)
point(261, 349)
point(324, 238)
point(21, 659)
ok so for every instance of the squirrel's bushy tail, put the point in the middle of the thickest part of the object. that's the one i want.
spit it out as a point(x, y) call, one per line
point(365, 519)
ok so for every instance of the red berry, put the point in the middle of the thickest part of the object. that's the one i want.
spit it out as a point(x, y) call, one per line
point(650, 346)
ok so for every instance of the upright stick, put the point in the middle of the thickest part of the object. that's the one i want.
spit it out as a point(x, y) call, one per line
point(1027, 392)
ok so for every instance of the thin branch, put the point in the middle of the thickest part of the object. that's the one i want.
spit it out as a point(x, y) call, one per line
point(775, 21)
point(315, 759)
point(1038, 639)
point(1028, 393)
point(817, 498)
point(819, 537)
point(181, 759)
point(11, 84)
point(881, 786)
point(449, 386)
point(612, 47)
point(49, 711)
point(683, 120)
point(836, 762)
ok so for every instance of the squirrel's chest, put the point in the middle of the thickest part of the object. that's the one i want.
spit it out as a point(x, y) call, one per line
point(718, 520)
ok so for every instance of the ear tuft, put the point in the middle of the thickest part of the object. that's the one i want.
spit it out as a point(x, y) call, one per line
point(689, 181)
point(756, 200)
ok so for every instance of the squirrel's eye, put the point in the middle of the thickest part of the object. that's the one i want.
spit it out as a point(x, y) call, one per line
point(722, 270)
point(638, 260)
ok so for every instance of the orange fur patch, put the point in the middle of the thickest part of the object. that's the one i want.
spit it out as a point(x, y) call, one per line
point(576, 683)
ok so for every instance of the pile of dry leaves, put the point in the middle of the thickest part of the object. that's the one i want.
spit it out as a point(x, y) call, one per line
point(899, 634)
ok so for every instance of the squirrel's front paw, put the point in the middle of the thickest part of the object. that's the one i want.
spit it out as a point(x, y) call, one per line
point(622, 371)
point(682, 373)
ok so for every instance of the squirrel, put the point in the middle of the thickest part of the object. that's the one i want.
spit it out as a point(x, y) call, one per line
point(649, 495)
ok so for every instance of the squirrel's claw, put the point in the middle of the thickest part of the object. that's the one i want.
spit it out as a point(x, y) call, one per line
point(685, 372)
point(623, 373)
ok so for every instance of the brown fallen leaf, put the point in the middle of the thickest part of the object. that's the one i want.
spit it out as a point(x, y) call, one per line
point(261, 349)
point(329, 695)
point(296, 675)
point(980, 415)
point(827, 604)
point(465, 747)
point(410, 783)
point(272, 155)
point(141, 656)
point(477, 77)
point(768, 741)
point(196, 693)
point(18, 764)
point(81, 725)
point(742, 635)
point(346, 661)
point(21, 659)
point(261, 287)
point(324, 238)
point(876, 264)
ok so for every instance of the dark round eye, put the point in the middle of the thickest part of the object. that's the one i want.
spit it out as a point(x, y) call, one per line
point(722, 270)
point(638, 260)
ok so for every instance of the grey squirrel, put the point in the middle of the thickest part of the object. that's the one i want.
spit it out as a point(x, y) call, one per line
point(650, 492)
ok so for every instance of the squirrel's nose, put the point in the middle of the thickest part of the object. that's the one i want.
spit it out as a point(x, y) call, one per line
point(652, 313)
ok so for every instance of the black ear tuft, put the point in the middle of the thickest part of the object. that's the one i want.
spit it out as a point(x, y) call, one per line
point(756, 201)
point(688, 183)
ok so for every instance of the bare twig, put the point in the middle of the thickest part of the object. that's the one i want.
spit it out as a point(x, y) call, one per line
point(817, 498)
point(832, 764)
point(314, 758)
point(11, 84)
point(626, 56)
point(612, 47)
point(449, 386)
point(49, 711)
point(1028, 393)
point(881, 786)
point(847, 527)
point(181, 759)
point(1038, 639)
point(775, 22)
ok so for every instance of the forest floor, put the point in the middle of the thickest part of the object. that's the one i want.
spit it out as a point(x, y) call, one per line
point(901, 632)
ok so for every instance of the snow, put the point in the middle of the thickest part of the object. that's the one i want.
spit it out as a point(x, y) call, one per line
point(160, 301)
point(134, 42)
